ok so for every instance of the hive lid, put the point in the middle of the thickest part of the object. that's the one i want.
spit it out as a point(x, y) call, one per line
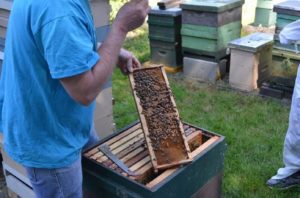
point(286, 6)
point(168, 12)
point(252, 43)
point(211, 5)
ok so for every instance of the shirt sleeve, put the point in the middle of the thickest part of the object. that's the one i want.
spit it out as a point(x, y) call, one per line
point(290, 33)
point(68, 46)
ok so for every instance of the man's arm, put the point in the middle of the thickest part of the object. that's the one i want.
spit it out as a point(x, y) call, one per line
point(85, 87)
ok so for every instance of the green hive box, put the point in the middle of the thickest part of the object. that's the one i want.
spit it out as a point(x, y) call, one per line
point(201, 178)
point(209, 41)
point(165, 25)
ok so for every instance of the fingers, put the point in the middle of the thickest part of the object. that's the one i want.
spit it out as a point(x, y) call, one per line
point(136, 63)
point(130, 64)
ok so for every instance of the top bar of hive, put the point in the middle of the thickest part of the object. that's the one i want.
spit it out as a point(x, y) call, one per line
point(159, 117)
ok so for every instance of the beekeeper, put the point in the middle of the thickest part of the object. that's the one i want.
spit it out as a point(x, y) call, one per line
point(289, 175)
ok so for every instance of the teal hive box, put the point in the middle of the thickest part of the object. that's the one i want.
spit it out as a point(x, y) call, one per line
point(165, 25)
point(201, 178)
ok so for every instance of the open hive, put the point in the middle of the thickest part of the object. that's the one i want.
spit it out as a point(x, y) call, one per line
point(159, 117)
point(130, 147)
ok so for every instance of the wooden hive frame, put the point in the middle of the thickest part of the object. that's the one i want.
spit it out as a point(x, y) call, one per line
point(152, 152)
point(130, 147)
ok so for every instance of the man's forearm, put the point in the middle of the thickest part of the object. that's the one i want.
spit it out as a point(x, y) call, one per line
point(109, 54)
point(85, 87)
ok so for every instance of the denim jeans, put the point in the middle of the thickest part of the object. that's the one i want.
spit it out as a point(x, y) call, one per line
point(61, 182)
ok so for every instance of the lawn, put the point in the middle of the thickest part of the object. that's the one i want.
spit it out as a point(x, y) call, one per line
point(254, 127)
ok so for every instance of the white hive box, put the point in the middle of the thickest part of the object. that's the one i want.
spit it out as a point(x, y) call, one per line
point(251, 59)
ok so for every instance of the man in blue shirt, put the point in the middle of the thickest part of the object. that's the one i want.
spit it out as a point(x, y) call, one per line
point(52, 73)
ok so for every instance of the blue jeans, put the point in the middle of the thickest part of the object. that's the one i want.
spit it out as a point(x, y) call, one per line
point(61, 182)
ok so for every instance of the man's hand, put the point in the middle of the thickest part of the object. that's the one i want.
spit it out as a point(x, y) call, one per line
point(127, 61)
point(85, 87)
point(132, 15)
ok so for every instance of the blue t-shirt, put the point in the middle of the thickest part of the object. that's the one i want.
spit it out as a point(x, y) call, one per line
point(47, 40)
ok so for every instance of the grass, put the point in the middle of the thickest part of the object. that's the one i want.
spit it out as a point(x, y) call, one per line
point(254, 127)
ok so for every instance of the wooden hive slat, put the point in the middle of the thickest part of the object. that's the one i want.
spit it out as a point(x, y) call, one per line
point(137, 158)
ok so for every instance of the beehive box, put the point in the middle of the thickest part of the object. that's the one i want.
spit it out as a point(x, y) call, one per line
point(105, 178)
point(212, 19)
point(290, 7)
point(251, 59)
point(166, 53)
point(165, 25)
point(210, 41)
point(165, 38)
point(287, 12)
point(208, 26)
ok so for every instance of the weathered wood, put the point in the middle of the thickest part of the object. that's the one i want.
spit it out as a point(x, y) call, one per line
point(195, 140)
point(140, 164)
point(113, 140)
point(161, 177)
point(204, 146)
point(137, 158)
point(133, 154)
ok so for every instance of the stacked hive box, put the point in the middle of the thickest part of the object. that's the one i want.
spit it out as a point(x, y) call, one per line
point(285, 58)
point(251, 58)
point(264, 13)
point(165, 40)
point(207, 27)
